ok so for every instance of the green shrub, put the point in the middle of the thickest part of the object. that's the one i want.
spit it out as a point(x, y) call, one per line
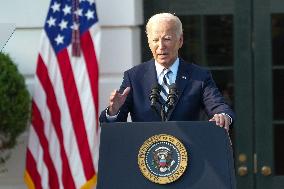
point(14, 103)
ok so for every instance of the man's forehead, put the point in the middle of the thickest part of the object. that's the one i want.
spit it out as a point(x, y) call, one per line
point(162, 25)
point(164, 33)
point(163, 22)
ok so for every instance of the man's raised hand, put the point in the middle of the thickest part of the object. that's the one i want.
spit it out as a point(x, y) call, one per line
point(116, 100)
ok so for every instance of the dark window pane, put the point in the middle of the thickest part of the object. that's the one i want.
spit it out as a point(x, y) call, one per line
point(278, 149)
point(278, 90)
point(208, 40)
point(219, 49)
point(278, 39)
point(193, 44)
point(225, 83)
point(278, 94)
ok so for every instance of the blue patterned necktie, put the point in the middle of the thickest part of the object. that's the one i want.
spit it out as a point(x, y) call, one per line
point(165, 86)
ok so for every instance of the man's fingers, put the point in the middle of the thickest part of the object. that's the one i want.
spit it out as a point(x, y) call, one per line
point(117, 99)
point(126, 91)
point(221, 120)
point(113, 95)
point(212, 119)
point(114, 102)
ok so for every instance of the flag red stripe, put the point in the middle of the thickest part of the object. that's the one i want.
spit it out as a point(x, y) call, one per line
point(92, 68)
point(76, 113)
point(32, 170)
point(38, 126)
point(55, 113)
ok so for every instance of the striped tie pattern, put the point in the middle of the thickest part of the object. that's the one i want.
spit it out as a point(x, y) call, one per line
point(165, 86)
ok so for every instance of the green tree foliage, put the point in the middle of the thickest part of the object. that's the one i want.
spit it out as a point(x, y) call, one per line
point(14, 103)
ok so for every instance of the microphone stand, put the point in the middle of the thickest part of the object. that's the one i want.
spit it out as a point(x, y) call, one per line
point(164, 115)
point(172, 98)
point(154, 99)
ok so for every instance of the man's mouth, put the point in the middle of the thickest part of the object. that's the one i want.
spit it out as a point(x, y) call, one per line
point(163, 54)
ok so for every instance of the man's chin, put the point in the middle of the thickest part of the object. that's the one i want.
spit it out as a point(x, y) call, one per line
point(164, 62)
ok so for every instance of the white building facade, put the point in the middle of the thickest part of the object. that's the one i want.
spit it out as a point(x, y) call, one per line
point(120, 49)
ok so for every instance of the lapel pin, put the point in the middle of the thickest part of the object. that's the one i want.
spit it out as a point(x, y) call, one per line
point(183, 77)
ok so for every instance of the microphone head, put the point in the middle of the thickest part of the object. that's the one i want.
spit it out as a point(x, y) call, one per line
point(155, 92)
point(156, 87)
point(172, 88)
point(172, 97)
point(154, 96)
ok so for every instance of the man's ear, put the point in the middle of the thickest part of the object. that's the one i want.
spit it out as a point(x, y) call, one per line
point(180, 40)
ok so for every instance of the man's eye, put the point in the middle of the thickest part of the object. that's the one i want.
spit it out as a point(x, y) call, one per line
point(155, 40)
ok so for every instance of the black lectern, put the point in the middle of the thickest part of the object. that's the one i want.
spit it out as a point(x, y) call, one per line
point(210, 161)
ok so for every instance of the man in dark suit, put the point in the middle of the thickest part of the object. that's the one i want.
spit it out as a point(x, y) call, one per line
point(195, 86)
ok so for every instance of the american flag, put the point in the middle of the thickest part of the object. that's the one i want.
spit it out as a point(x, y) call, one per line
point(64, 135)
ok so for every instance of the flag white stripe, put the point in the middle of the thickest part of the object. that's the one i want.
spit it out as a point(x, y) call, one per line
point(85, 95)
point(96, 39)
point(37, 153)
point(49, 132)
point(95, 33)
point(95, 148)
point(70, 143)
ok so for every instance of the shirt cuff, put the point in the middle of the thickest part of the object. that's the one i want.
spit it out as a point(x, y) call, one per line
point(231, 119)
point(111, 118)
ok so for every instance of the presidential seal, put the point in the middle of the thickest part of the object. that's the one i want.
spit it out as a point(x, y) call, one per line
point(162, 159)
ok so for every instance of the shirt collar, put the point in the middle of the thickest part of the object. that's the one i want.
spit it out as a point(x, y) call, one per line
point(173, 67)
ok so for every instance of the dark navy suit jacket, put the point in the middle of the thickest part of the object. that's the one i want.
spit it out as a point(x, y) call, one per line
point(196, 91)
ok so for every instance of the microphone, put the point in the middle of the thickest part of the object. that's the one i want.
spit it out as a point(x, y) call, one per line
point(173, 95)
point(154, 95)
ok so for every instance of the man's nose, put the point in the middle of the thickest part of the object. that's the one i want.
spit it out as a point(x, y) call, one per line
point(161, 44)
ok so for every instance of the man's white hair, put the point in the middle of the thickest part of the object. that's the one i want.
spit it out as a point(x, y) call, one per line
point(164, 16)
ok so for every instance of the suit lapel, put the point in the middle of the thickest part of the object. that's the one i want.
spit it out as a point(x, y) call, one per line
point(182, 80)
point(150, 77)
